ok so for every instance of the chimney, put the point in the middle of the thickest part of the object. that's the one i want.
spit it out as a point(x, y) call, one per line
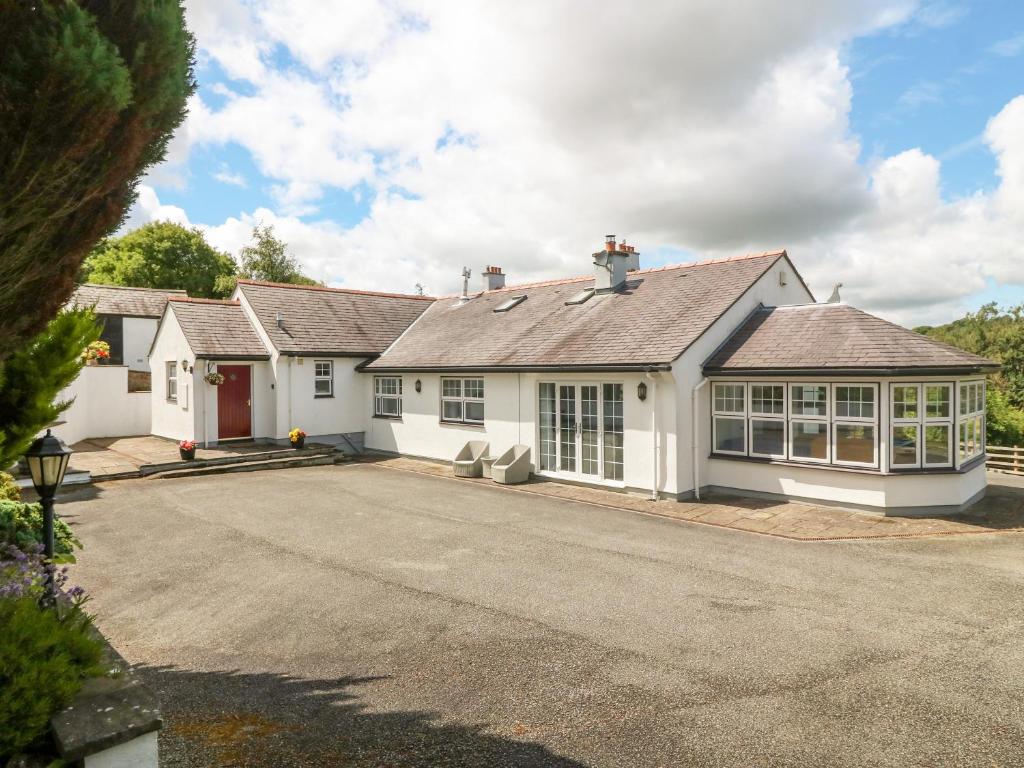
point(632, 256)
point(493, 278)
point(610, 267)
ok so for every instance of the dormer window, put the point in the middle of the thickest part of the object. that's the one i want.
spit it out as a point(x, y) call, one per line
point(508, 304)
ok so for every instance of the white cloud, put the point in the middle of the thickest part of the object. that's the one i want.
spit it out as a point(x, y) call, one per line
point(1010, 47)
point(226, 176)
point(148, 208)
point(519, 134)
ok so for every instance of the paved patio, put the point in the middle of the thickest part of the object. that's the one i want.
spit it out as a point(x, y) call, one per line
point(103, 457)
point(1002, 510)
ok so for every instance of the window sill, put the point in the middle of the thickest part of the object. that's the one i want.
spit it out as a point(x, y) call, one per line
point(323, 397)
point(469, 424)
point(387, 418)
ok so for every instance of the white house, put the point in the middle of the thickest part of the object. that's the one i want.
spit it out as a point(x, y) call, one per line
point(129, 317)
point(719, 374)
point(107, 400)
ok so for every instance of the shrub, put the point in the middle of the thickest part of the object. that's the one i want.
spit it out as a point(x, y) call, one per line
point(45, 655)
point(1005, 424)
point(22, 525)
point(8, 490)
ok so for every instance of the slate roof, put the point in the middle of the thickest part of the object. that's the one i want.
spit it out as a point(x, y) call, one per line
point(831, 338)
point(658, 314)
point(218, 329)
point(119, 300)
point(331, 321)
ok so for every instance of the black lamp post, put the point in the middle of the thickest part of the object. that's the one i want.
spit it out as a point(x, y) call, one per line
point(47, 460)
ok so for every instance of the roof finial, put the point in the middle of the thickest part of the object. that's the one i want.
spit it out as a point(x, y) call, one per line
point(834, 298)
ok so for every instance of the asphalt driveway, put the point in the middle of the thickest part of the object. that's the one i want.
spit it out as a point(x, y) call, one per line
point(358, 615)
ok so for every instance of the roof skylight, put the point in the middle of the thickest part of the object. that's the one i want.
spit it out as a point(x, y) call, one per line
point(580, 297)
point(508, 304)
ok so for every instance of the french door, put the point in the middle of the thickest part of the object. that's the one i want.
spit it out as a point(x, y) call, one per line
point(580, 432)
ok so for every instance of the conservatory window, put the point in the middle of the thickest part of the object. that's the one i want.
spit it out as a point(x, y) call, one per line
point(971, 420)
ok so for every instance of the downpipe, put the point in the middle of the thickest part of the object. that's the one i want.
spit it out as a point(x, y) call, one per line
point(696, 438)
point(654, 376)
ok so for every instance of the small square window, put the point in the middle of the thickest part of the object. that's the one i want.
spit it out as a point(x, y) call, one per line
point(323, 378)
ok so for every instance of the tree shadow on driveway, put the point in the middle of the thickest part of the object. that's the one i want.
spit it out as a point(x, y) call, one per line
point(238, 720)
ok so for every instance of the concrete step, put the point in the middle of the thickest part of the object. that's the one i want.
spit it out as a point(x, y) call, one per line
point(279, 453)
point(316, 460)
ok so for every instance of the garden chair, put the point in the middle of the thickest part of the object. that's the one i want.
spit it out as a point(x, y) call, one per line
point(467, 462)
point(513, 466)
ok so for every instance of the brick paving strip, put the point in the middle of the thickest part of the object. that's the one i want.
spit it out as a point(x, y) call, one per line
point(1002, 511)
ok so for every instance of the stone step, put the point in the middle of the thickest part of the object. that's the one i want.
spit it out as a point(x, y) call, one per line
point(317, 460)
point(280, 453)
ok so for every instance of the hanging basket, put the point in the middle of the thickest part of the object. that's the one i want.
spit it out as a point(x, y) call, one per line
point(214, 378)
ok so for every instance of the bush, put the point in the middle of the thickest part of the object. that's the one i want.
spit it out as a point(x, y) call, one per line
point(1005, 424)
point(45, 654)
point(22, 525)
point(8, 490)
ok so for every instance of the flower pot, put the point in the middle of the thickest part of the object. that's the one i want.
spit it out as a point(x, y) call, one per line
point(187, 455)
point(92, 361)
point(299, 443)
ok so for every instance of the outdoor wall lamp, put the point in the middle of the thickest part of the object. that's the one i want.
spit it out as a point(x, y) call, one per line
point(418, 385)
point(641, 390)
point(184, 365)
point(47, 460)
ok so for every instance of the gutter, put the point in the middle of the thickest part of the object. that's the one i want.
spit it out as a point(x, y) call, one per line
point(214, 358)
point(827, 372)
point(610, 368)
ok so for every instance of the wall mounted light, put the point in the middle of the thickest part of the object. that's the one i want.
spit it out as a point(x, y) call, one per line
point(641, 390)
point(184, 365)
point(418, 385)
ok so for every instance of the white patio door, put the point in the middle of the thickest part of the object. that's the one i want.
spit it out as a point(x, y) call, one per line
point(580, 431)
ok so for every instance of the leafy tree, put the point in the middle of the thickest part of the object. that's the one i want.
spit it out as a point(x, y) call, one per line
point(33, 376)
point(160, 255)
point(998, 335)
point(90, 94)
point(267, 259)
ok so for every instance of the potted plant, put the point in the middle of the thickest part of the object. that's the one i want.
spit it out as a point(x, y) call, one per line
point(187, 450)
point(95, 352)
point(214, 378)
point(297, 438)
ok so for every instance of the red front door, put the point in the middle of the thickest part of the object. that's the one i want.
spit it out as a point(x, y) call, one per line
point(234, 402)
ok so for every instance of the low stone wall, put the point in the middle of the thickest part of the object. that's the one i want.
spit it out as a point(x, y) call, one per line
point(112, 723)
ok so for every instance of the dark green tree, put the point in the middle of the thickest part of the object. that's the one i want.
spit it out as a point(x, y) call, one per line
point(267, 259)
point(90, 94)
point(160, 255)
point(33, 376)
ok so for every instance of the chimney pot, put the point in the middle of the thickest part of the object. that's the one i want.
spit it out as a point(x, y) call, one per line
point(493, 278)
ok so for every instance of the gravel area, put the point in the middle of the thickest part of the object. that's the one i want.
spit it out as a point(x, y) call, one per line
point(360, 616)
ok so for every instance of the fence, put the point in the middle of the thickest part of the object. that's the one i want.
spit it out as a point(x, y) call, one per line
point(1006, 459)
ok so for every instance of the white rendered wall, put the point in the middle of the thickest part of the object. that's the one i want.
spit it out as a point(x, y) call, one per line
point(510, 418)
point(861, 489)
point(138, 333)
point(175, 420)
point(347, 411)
point(103, 406)
point(687, 369)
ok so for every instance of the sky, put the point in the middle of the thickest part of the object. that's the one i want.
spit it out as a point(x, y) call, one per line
point(392, 142)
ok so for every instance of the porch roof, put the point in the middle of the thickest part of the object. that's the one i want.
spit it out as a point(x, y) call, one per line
point(218, 330)
point(834, 339)
point(652, 321)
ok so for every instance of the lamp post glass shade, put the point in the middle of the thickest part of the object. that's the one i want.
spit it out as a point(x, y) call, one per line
point(641, 391)
point(47, 460)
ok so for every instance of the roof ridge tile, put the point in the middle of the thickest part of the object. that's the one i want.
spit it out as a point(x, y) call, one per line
point(330, 289)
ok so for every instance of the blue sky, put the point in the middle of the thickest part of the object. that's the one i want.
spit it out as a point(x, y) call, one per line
point(391, 143)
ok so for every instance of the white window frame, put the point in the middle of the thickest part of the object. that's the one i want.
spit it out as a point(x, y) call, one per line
point(937, 421)
point(740, 416)
point(379, 397)
point(463, 399)
point(905, 421)
point(838, 421)
point(973, 419)
point(318, 377)
point(171, 378)
point(762, 416)
point(824, 420)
